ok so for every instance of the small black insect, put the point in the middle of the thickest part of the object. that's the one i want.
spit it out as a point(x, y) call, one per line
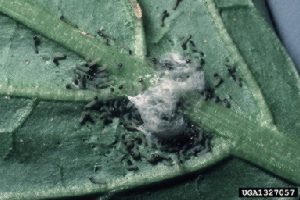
point(208, 93)
point(68, 86)
point(226, 103)
point(86, 117)
point(107, 120)
point(195, 49)
point(187, 61)
point(120, 65)
point(62, 18)
point(177, 2)
point(130, 166)
point(240, 80)
point(97, 167)
point(121, 87)
point(94, 104)
point(92, 65)
point(217, 99)
point(185, 41)
point(231, 71)
point(130, 52)
point(154, 61)
point(102, 85)
point(192, 45)
point(103, 35)
point(57, 57)
point(202, 61)
point(95, 181)
point(36, 43)
point(164, 15)
point(82, 82)
point(76, 82)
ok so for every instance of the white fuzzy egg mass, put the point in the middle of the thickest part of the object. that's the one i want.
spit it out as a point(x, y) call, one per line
point(158, 104)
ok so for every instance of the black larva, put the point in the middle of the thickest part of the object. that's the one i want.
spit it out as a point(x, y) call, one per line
point(163, 17)
point(86, 117)
point(177, 2)
point(36, 43)
point(231, 71)
point(68, 86)
point(140, 79)
point(240, 81)
point(208, 93)
point(120, 65)
point(130, 52)
point(94, 181)
point(62, 18)
point(57, 57)
point(202, 61)
point(90, 76)
point(217, 99)
point(92, 105)
point(195, 49)
point(97, 167)
point(233, 74)
point(185, 41)
point(102, 85)
point(154, 61)
point(226, 103)
point(131, 166)
point(104, 36)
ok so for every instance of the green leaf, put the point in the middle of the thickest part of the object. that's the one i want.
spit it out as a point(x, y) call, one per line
point(50, 155)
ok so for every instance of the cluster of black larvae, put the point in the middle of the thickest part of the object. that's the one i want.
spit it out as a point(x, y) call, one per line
point(90, 76)
point(193, 142)
point(115, 108)
point(136, 147)
point(233, 74)
point(209, 92)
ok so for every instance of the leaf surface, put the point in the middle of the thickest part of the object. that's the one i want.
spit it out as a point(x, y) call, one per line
point(51, 155)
